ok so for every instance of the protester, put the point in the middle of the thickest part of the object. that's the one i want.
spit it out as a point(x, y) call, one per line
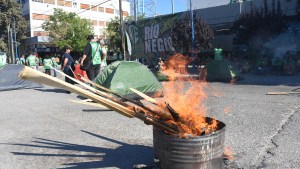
point(23, 60)
point(32, 61)
point(67, 63)
point(55, 61)
point(92, 50)
point(103, 55)
point(47, 64)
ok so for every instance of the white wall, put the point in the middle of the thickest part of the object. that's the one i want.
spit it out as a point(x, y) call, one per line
point(48, 9)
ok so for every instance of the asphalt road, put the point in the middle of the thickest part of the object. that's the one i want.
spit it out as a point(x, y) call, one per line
point(42, 129)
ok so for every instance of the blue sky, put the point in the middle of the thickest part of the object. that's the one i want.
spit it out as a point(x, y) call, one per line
point(165, 6)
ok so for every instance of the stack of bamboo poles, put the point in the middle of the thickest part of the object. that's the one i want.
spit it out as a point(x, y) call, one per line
point(156, 113)
point(130, 108)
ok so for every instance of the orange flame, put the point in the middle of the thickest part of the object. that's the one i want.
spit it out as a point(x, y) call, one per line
point(186, 97)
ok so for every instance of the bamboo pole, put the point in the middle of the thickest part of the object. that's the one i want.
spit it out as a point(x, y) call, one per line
point(150, 99)
point(165, 106)
point(87, 103)
point(282, 93)
point(39, 77)
point(92, 89)
point(163, 115)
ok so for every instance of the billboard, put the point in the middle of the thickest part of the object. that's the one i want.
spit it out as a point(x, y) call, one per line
point(165, 35)
point(151, 37)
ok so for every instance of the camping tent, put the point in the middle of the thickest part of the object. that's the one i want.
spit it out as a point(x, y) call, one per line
point(119, 76)
point(221, 70)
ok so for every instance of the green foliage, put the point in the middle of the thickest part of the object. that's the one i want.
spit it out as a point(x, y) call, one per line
point(113, 34)
point(182, 34)
point(10, 10)
point(131, 17)
point(68, 29)
point(265, 23)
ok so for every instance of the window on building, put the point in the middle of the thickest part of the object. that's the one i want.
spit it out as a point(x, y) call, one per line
point(125, 13)
point(40, 33)
point(95, 22)
point(94, 8)
point(61, 2)
point(41, 1)
point(68, 4)
point(36, 16)
point(109, 10)
point(49, 1)
point(102, 23)
point(100, 9)
point(84, 6)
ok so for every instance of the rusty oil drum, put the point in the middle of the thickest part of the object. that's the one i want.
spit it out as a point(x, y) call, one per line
point(200, 152)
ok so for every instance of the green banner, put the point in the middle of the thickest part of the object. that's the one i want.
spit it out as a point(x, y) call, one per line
point(151, 37)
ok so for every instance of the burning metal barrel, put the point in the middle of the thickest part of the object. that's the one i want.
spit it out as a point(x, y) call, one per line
point(194, 152)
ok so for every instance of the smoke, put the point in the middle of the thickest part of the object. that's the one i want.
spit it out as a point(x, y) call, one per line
point(284, 42)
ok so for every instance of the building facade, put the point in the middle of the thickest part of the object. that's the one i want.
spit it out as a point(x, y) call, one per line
point(220, 12)
point(36, 12)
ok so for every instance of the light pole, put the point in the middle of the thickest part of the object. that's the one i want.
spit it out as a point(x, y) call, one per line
point(172, 6)
point(15, 39)
point(121, 27)
point(193, 33)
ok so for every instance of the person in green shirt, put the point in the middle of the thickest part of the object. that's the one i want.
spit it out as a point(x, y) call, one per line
point(32, 61)
point(2, 61)
point(47, 64)
point(92, 50)
point(55, 64)
point(218, 53)
point(22, 60)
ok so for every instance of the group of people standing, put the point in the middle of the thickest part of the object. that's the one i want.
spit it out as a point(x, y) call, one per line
point(94, 50)
point(33, 61)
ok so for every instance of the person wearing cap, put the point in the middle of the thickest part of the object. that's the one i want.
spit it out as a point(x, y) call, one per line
point(92, 50)
point(67, 63)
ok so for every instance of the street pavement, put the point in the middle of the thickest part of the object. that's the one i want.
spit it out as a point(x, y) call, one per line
point(42, 129)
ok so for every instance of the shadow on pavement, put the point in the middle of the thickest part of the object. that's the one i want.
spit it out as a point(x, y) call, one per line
point(124, 156)
point(56, 90)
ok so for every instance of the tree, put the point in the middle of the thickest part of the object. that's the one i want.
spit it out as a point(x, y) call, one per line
point(265, 23)
point(68, 29)
point(10, 10)
point(113, 34)
point(182, 34)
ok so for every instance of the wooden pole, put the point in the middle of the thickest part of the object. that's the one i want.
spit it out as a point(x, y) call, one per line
point(39, 77)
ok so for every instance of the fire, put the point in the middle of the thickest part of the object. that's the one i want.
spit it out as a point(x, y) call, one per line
point(187, 98)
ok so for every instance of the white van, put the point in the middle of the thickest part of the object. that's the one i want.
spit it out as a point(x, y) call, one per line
point(3, 58)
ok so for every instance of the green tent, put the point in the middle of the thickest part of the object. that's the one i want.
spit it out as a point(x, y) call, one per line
point(222, 70)
point(119, 76)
